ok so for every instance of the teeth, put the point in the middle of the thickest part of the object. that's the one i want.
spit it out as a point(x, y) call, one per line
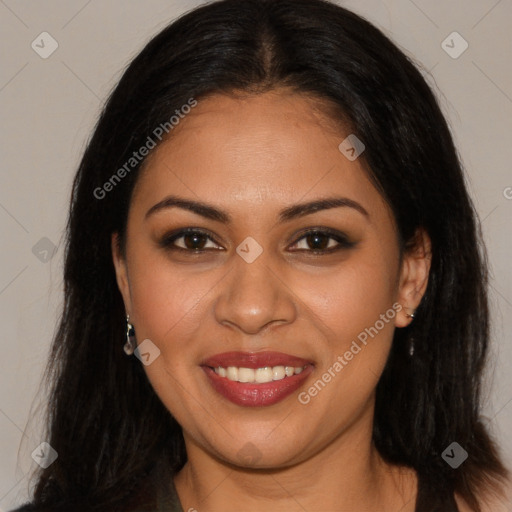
point(232, 373)
point(263, 374)
point(245, 375)
point(259, 375)
point(278, 373)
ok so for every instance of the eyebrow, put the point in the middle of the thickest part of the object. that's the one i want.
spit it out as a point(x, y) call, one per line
point(292, 212)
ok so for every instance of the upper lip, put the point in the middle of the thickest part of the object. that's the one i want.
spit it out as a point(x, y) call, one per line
point(254, 360)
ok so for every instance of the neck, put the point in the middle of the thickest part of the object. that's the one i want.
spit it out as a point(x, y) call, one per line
point(346, 475)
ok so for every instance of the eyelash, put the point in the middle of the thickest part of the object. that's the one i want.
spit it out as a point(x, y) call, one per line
point(167, 242)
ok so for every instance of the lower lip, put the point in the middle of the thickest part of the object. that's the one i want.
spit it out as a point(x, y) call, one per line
point(256, 395)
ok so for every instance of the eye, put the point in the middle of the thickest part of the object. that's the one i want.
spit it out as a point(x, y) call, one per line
point(319, 241)
point(315, 241)
point(190, 239)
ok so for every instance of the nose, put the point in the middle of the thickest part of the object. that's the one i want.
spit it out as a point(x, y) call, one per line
point(253, 296)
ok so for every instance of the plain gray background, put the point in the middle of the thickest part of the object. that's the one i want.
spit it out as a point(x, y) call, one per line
point(49, 107)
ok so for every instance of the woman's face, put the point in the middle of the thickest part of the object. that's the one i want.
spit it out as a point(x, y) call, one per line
point(250, 280)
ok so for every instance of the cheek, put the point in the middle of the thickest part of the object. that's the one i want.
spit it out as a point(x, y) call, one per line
point(168, 305)
point(354, 308)
point(357, 318)
point(354, 296)
point(166, 301)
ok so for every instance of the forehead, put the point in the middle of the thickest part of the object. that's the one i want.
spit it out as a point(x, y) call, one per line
point(275, 147)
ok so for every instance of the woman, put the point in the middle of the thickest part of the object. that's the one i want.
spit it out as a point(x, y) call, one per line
point(272, 219)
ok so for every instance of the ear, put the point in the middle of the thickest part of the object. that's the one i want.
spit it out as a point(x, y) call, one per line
point(121, 272)
point(414, 274)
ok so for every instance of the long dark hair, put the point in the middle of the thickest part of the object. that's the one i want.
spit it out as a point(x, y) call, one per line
point(104, 419)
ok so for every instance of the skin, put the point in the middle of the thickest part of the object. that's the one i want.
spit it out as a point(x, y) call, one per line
point(252, 157)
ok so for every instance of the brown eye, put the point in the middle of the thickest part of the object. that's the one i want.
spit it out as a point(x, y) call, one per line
point(322, 241)
point(318, 241)
point(191, 240)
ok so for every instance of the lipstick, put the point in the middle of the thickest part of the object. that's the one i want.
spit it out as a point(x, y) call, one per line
point(289, 373)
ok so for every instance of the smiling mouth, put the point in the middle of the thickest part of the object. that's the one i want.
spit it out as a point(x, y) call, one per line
point(256, 379)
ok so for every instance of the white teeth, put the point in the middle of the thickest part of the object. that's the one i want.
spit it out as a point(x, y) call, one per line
point(258, 375)
point(289, 370)
point(278, 373)
point(245, 375)
point(232, 373)
point(263, 374)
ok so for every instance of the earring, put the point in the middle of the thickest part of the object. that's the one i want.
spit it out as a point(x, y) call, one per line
point(411, 347)
point(411, 341)
point(129, 346)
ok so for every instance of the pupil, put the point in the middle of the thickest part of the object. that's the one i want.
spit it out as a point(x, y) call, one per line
point(196, 239)
point(316, 241)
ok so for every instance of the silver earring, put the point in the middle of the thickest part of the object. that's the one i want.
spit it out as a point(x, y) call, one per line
point(411, 347)
point(411, 341)
point(129, 346)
